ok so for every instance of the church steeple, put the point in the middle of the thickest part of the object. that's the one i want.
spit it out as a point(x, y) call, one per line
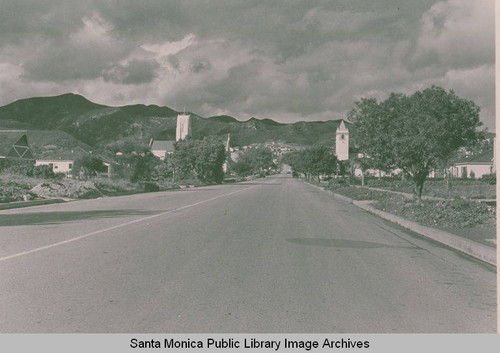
point(342, 142)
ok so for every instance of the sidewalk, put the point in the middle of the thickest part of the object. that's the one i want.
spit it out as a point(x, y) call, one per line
point(405, 194)
point(458, 242)
point(410, 196)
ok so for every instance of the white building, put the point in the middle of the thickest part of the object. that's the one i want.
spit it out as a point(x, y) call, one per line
point(58, 166)
point(342, 142)
point(161, 148)
point(477, 165)
point(225, 166)
point(64, 161)
point(183, 127)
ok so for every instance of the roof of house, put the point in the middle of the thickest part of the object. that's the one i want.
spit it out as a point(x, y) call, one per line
point(483, 158)
point(45, 143)
point(167, 146)
point(59, 145)
point(14, 144)
point(63, 155)
point(71, 155)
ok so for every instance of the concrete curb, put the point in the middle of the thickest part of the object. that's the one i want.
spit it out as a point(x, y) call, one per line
point(20, 204)
point(466, 246)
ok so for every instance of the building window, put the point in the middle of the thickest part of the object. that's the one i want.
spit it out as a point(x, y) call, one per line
point(55, 167)
point(342, 136)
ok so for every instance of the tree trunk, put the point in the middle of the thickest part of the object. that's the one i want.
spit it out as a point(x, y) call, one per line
point(419, 185)
point(362, 178)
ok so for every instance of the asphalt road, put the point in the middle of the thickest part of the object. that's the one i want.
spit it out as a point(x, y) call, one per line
point(273, 255)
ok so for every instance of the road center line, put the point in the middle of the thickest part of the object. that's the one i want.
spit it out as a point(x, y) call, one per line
point(117, 226)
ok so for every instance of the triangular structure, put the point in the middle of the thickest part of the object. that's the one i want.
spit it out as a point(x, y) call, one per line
point(15, 145)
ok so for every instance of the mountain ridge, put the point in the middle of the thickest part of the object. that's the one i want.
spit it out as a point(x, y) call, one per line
point(99, 125)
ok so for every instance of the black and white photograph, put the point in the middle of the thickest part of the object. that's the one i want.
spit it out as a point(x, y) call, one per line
point(256, 167)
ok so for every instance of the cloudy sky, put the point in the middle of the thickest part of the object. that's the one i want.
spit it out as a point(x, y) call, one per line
point(287, 60)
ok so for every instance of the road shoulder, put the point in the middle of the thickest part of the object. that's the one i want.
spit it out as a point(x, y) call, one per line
point(478, 251)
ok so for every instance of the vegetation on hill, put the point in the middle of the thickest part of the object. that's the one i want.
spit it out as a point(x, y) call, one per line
point(99, 125)
point(47, 113)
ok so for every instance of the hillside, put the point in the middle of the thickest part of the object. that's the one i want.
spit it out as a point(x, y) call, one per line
point(99, 125)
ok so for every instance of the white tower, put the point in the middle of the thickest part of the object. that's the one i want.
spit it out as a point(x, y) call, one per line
point(227, 142)
point(225, 166)
point(342, 142)
point(183, 127)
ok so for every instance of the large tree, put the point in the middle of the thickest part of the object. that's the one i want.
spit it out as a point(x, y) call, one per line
point(88, 166)
point(204, 158)
point(253, 160)
point(313, 161)
point(415, 133)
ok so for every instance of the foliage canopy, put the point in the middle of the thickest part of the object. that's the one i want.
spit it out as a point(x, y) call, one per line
point(253, 160)
point(415, 133)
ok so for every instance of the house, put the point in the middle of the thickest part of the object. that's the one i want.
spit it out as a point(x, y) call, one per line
point(14, 144)
point(59, 150)
point(478, 166)
point(64, 161)
point(161, 148)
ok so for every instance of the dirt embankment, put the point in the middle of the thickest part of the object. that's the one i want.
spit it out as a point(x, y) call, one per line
point(68, 188)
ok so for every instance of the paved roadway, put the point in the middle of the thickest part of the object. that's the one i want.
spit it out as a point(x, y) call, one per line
point(273, 255)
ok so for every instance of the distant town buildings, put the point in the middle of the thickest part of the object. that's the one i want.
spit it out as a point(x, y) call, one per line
point(60, 151)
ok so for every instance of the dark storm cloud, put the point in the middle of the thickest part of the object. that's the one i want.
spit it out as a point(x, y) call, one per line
point(25, 20)
point(288, 59)
point(82, 53)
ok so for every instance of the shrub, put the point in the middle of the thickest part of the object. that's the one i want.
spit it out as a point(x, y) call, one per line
point(341, 182)
point(16, 166)
point(457, 213)
point(43, 171)
point(489, 178)
point(151, 187)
